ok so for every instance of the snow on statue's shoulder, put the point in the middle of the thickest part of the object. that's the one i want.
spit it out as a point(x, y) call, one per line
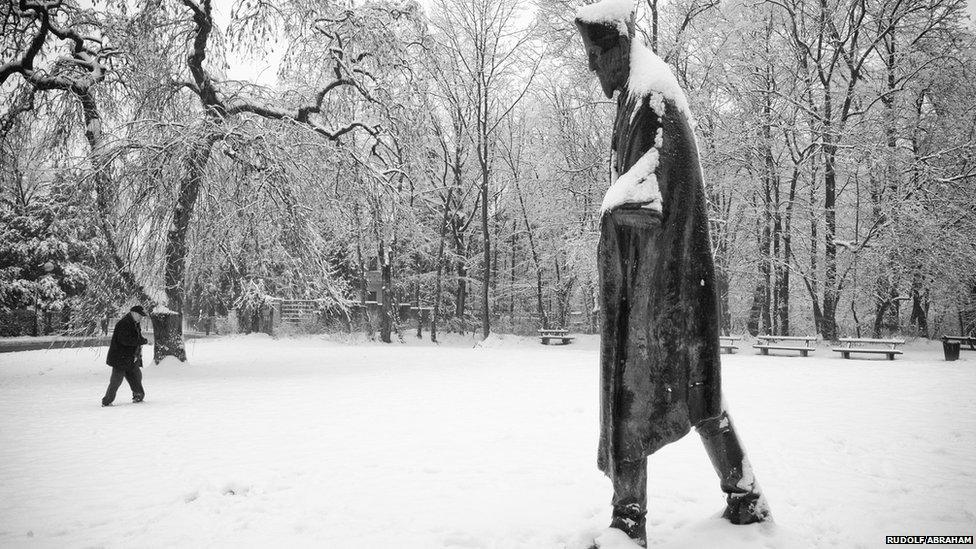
point(611, 12)
point(650, 77)
point(650, 74)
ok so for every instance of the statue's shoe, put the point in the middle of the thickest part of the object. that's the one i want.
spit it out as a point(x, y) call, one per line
point(747, 509)
point(633, 528)
point(615, 537)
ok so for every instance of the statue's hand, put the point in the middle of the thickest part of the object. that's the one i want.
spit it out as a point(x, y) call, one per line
point(638, 185)
point(636, 215)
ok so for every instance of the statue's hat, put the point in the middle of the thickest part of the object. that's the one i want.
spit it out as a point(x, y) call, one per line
point(602, 23)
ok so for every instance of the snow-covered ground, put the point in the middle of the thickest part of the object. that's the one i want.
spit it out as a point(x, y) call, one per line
point(306, 442)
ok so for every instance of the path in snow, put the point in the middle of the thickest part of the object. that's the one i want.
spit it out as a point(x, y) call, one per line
point(304, 442)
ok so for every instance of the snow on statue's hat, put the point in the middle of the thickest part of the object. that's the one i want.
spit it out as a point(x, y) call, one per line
point(138, 309)
point(602, 23)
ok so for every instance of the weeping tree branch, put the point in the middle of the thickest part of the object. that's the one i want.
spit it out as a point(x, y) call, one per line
point(87, 57)
point(219, 108)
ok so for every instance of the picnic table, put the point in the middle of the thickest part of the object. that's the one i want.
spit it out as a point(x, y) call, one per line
point(556, 333)
point(965, 342)
point(951, 345)
point(727, 343)
point(768, 343)
point(877, 346)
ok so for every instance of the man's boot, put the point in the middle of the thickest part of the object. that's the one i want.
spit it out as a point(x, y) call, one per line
point(746, 503)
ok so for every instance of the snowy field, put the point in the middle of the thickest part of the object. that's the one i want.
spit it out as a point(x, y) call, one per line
point(310, 443)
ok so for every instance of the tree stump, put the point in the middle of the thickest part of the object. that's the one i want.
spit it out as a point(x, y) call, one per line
point(168, 335)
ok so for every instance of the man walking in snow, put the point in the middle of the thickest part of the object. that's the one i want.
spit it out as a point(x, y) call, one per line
point(659, 353)
point(125, 356)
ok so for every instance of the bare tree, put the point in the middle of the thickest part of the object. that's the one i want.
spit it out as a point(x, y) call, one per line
point(489, 42)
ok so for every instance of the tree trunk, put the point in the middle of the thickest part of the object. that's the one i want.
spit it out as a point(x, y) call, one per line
point(436, 313)
point(811, 280)
point(920, 305)
point(511, 274)
point(461, 293)
point(884, 298)
point(486, 236)
point(754, 324)
point(772, 223)
point(857, 322)
point(560, 323)
point(176, 245)
point(759, 317)
point(167, 335)
point(784, 287)
point(654, 25)
point(483, 149)
point(831, 291)
point(722, 288)
point(817, 313)
point(420, 316)
point(787, 252)
point(495, 253)
point(386, 305)
point(885, 290)
point(367, 323)
point(540, 308)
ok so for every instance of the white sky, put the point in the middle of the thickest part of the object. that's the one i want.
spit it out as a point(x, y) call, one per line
point(260, 70)
point(263, 70)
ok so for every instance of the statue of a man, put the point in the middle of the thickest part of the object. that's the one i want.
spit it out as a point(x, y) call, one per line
point(659, 352)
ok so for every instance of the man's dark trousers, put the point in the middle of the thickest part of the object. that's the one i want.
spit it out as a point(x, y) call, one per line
point(132, 374)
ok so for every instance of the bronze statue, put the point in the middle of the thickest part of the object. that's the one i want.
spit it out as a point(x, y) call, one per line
point(659, 352)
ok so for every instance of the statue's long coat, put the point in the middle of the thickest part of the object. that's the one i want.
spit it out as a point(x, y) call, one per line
point(659, 353)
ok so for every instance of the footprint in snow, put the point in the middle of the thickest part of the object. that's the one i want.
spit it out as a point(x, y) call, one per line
point(235, 489)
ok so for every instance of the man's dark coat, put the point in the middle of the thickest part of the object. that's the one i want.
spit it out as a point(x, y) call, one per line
point(126, 344)
point(659, 353)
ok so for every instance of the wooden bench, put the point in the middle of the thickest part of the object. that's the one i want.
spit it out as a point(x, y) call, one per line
point(768, 343)
point(880, 346)
point(558, 334)
point(727, 343)
point(966, 343)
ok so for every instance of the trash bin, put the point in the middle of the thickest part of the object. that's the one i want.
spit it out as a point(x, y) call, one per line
point(951, 349)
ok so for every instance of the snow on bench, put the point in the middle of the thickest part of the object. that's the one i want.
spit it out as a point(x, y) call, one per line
point(727, 343)
point(966, 343)
point(771, 343)
point(853, 345)
point(558, 333)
